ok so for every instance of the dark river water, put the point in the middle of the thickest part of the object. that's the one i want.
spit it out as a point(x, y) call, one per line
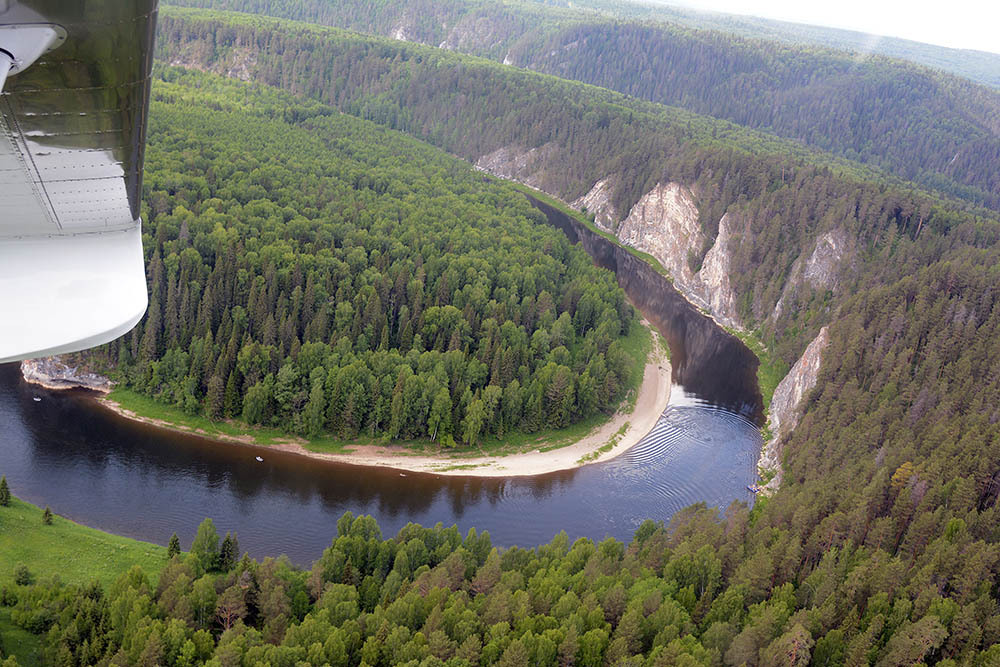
point(128, 478)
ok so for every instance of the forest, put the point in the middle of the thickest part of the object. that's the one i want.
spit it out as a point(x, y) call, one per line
point(312, 272)
point(472, 107)
point(918, 124)
point(881, 547)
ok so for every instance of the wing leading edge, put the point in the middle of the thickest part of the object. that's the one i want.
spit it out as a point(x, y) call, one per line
point(73, 127)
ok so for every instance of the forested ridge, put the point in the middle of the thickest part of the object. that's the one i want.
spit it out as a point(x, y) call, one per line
point(312, 272)
point(472, 107)
point(935, 129)
point(980, 66)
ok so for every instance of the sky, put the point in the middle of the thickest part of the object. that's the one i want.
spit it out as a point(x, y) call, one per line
point(960, 24)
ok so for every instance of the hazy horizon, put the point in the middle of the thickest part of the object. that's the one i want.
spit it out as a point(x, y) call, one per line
point(967, 25)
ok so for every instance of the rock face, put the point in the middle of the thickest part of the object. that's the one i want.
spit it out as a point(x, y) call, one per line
point(598, 202)
point(821, 269)
point(712, 280)
point(785, 408)
point(518, 164)
point(54, 373)
point(476, 33)
point(664, 223)
point(241, 63)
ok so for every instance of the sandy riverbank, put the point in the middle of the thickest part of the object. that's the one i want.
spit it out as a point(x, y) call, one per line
point(654, 392)
point(649, 405)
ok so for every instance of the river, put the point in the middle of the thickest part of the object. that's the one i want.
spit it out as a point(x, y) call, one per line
point(132, 479)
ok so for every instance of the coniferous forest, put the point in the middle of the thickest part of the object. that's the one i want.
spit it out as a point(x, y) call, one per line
point(316, 273)
point(312, 268)
point(916, 123)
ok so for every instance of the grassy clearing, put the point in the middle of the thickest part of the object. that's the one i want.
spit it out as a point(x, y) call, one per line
point(771, 369)
point(76, 553)
point(20, 643)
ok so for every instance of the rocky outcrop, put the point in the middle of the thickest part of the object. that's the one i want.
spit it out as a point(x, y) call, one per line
point(598, 203)
point(402, 33)
point(786, 408)
point(664, 223)
point(517, 164)
point(821, 270)
point(55, 373)
point(712, 284)
point(239, 63)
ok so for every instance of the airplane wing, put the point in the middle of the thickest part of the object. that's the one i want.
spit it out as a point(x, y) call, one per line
point(73, 115)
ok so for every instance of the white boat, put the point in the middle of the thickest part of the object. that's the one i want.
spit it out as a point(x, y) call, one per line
point(258, 458)
point(37, 400)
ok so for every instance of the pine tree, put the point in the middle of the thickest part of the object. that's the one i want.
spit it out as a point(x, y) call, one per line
point(215, 398)
point(4, 492)
point(173, 547)
point(47, 516)
point(229, 552)
point(231, 405)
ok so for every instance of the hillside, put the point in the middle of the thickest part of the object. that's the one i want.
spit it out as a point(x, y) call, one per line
point(582, 144)
point(937, 130)
point(980, 66)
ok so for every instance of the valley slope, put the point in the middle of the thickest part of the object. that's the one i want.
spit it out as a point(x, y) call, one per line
point(939, 130)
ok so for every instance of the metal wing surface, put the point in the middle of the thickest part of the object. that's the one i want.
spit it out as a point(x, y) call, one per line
point(72, 137)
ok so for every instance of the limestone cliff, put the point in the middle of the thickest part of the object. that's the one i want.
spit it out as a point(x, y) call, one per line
point(821, 270)
point(518, 164)
point(477, 33)
point(664, 223)
point(56, 373)
point(598, 202)
point(786, 408)
point(239, 63)
point(712, 280)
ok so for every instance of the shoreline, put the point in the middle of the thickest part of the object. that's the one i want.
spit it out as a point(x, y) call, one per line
point(735, 329)
point(652, 398)
point(51, 373)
